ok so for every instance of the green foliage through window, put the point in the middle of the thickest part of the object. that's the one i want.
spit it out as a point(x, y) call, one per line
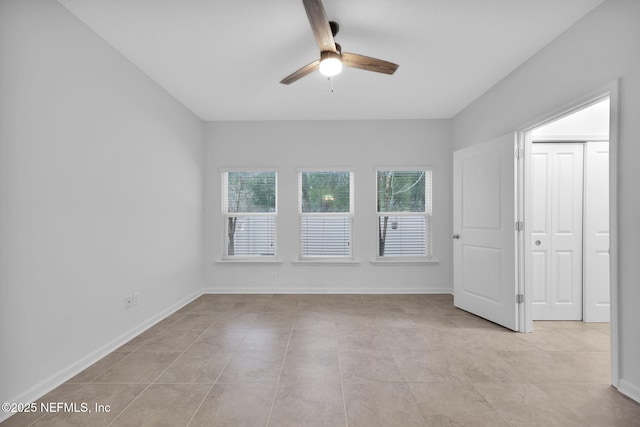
point(326, 191)
point(401, 191)
point(251, 192)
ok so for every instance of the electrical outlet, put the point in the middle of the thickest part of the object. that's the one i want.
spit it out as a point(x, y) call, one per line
point(128, 301)
point(273, 276)
point(136, 298)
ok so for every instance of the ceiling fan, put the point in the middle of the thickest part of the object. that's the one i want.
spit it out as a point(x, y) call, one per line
point(331, 56)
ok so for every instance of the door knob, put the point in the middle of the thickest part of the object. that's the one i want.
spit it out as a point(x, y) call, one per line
point(537, 242)
point(455, 236)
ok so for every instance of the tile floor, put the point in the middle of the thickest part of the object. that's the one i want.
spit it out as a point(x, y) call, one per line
point(346, 360)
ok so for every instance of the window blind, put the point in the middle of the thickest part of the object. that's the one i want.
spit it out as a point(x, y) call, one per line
point(253, 235)
point(325, 236)
point(405, 235)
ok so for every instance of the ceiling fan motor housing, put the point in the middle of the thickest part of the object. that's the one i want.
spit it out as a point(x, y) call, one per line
point(334, 27)
point(329, 54)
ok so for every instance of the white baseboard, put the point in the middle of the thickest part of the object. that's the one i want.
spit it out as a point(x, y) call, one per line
point(44, 387)
point(263, 290)
point(630, 390)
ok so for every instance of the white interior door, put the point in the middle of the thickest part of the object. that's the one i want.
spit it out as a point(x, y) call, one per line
point(556, 231)
point(596, 231)
point(484, 275)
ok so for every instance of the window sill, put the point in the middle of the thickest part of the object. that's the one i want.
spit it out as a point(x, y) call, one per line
point(326, 261)
point(404, 261)
point(248, 261)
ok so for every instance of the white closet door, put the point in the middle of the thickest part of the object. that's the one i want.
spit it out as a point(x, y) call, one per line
point(556, 238)
point(596, 248)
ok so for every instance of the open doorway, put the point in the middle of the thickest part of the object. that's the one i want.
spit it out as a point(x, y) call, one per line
point(567, 258)
point(609, 95)
point(492, 225)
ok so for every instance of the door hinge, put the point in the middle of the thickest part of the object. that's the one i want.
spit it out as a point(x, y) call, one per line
point(519, 225)
point(519, 298)
point(519, 153)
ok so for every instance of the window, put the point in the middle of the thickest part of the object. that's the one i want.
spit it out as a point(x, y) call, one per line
point(325, 205)
point(404, 212)
point(249, 208)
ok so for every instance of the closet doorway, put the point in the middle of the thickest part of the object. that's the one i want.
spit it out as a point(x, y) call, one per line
point(567, 258)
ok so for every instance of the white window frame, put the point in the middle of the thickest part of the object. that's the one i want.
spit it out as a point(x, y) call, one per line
point(226, 215)
point(428, 215)
point(302, 215)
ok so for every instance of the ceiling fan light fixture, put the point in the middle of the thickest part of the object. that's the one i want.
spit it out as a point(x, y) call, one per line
point(330, 63)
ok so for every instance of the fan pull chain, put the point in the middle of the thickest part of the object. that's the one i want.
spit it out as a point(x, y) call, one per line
point(331, 78)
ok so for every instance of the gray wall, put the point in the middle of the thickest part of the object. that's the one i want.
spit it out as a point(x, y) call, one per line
point(363, 145)
point(600, 48)
point(100, 194)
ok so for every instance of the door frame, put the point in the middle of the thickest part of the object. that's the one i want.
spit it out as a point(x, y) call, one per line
point(610, 90)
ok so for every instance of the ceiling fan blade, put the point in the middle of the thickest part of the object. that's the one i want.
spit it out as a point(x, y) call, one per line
point(367, 63)
point(307, 69)
point(320, 25)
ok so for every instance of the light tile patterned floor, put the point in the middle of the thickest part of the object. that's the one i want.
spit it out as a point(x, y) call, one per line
point(346, 360)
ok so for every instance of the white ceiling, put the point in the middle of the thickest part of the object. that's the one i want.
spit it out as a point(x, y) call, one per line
point(223, 59)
